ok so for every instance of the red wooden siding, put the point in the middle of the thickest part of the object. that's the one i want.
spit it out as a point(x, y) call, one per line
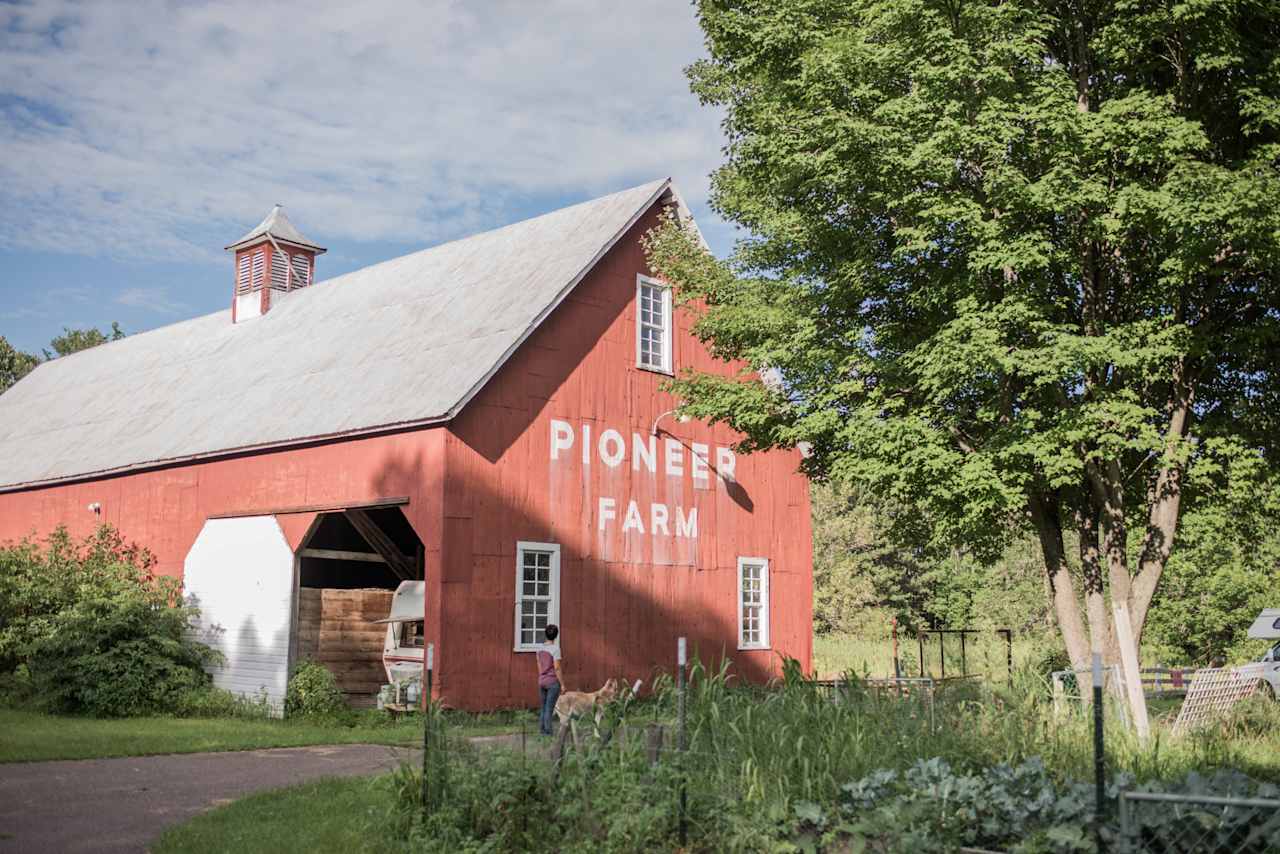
point(624, 598)
point(164, 509)
point(488, 480)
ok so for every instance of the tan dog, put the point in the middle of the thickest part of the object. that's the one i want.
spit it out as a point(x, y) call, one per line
point(574, 704)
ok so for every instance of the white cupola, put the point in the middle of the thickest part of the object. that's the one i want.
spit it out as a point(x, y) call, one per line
point(271, 261)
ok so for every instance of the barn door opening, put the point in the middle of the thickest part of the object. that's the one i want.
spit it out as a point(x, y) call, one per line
point(349, 566)
point(359, 548)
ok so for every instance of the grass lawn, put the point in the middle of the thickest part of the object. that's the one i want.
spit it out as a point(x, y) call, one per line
point(341, 815)
point(30, 736)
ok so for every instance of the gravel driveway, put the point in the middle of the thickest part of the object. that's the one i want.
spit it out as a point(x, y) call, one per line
point(123, 804)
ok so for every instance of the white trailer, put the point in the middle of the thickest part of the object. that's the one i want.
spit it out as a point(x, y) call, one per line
point(404, 647)
point(1267, 627)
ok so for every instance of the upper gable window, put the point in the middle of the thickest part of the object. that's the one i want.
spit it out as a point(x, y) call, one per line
point(653, 324)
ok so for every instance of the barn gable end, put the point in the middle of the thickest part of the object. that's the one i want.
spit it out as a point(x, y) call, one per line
point(560, 448)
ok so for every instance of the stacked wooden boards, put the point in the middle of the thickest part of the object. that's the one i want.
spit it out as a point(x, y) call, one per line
point(336, 628)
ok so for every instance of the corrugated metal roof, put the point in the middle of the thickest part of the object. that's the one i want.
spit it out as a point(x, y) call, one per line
point(404, 342)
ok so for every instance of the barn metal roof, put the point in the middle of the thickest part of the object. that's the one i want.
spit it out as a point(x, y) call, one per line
point(401, 343)
point(278, 225)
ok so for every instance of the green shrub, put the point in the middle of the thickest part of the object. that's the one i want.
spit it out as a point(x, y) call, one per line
point(87, 627)
point(210, 702)
point(313, 691)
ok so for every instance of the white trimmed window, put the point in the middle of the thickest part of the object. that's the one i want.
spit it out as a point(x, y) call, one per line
point(653, 324)
point(537, 592)
point(753, 603)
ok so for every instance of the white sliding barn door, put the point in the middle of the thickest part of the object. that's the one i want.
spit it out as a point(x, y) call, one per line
point(239, 573)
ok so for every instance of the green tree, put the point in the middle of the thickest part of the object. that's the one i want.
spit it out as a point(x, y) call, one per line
point(861, 578)
point(1225, 570)
point(14, 364)
point(1017, 265)
point(75, 340)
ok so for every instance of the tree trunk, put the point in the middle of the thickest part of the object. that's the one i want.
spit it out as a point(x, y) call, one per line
point(1165, 509)
point(1100, 627)
point(1045, 516)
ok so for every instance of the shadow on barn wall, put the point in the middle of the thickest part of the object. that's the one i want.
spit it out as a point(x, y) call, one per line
point(618, 619)
point(624, 599)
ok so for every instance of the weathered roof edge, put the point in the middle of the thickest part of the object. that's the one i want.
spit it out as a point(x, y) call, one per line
point(665, 187)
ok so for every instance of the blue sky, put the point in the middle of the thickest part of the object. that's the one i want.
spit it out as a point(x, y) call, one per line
point(138, 138)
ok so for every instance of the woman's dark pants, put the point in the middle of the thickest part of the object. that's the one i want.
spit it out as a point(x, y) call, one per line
point(550, 693)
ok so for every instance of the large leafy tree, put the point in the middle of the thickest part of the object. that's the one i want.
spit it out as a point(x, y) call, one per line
point(1017, 265)
point(14, 364)
point(75, 340)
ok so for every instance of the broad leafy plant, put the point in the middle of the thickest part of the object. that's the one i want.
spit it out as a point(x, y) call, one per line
point(313, 690)
point(91, 629)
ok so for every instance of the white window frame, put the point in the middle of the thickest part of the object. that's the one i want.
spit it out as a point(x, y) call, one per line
point(763, 642)
point(643, 281)
point(553, 609)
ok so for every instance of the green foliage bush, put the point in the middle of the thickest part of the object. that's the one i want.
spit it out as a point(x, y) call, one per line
point(796, 768)
point(86, 627)
point(932, 807)
point(313, 692)
point(211, 702)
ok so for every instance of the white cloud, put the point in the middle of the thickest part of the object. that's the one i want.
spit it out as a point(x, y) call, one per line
point(45, 303)
point(155, 300)
point(135, 127)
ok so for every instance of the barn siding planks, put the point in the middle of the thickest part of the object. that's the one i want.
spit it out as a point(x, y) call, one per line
point(624, 598)
point(336, 628)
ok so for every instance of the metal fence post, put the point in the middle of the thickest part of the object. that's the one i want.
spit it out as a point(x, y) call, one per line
point(1099, 753)
point(426, 728)
point(897, 661)
point(683, 744)
point(1123, 804)
point(1008, 652)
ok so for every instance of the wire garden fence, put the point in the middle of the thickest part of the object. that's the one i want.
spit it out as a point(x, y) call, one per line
point(678, 750)
point(1158, 823)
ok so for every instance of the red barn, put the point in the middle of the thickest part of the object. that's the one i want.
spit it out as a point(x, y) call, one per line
point(487, 415)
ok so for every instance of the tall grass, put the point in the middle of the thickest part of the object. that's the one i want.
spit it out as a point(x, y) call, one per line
point(770, 764)
point(796, 741)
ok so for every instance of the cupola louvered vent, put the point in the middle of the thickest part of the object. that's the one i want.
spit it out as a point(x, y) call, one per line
point(301, 271)
point(259, 265)
point(290, 265)
point(242, 274)
point(279, 271)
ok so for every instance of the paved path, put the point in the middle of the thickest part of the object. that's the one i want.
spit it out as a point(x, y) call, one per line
point(121, 805)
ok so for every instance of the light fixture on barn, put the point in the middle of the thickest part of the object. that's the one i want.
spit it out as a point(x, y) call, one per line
point(683, 419)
